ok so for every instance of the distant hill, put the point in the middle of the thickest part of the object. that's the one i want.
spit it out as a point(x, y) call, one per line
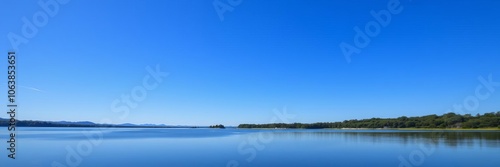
point(75, 123)
point(32, 123)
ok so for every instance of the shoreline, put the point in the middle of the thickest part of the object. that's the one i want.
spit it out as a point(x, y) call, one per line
point(415, 129)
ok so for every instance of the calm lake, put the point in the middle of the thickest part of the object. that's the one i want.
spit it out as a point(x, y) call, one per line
point(94, 147)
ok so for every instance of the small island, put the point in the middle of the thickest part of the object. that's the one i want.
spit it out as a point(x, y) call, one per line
point(220, 126)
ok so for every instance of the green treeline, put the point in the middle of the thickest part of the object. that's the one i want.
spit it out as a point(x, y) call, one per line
point(217, 126)
point(449, 120)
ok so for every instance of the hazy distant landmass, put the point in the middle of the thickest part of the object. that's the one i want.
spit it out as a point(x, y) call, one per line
point(34, 123)
point(449, 120)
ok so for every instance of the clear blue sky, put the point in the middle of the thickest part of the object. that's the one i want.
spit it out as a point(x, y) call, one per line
point(265, 55)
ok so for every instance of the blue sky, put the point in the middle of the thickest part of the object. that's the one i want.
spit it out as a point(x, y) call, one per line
point(263, 56)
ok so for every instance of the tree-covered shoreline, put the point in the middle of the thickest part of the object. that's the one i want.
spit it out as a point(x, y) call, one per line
point(449, 120)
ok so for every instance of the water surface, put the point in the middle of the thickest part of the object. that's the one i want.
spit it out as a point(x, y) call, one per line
point(93, 147)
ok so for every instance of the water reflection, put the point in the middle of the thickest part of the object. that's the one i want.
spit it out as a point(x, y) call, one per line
point(276, 147)
point(449, 138)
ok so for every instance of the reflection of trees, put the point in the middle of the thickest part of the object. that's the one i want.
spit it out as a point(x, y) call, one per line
point(449, 138)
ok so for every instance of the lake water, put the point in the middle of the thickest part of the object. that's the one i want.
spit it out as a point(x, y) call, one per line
point(93, 147)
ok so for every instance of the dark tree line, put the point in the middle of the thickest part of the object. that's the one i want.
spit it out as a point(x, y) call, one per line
point(449, 120)
point(217, 126)
point(19, 123)
point(29, 123)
